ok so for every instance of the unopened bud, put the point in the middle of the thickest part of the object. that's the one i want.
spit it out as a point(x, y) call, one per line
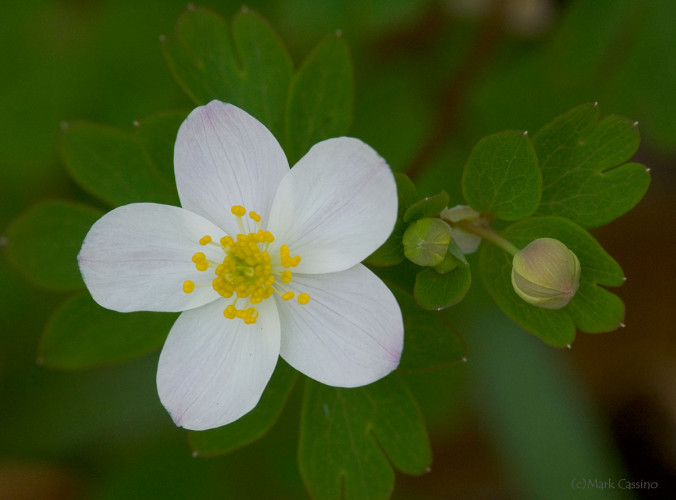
point(545, 273)
point(426, 241)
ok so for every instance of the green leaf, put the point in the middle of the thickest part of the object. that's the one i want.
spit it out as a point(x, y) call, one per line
point(427, 207)
point(501, 176)
point(254, 424)
point(321, 99)
point(430, 342)
point(113, 165)
point(347, 437)
point(582, 160)
point(435, 291)
point(592, 310)
point(82, 334)
point(43, 243)
point(157, 136)
point(253, 73)
point(391, 252)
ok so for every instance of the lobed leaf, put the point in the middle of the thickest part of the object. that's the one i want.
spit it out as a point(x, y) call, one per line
point(252, 71)
point(253, 425)
point(347, 437)
point(82, 334)
point(430, 206)
point(430, 342)
point(43, 243)
point(436, 291)
point(501, 176)
point(582, 158)
point(321, 98)
point(157, 135)
point(116, 166)
point(592, 310)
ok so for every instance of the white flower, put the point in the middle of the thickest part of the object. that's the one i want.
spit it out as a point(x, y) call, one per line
point(279, 277)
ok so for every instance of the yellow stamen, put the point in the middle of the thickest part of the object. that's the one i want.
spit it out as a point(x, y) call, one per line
point(238, 210)
point(247, 271)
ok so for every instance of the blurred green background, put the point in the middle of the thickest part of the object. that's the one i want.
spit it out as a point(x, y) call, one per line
point(518, 419)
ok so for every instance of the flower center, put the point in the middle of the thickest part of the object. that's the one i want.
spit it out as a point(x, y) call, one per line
point(247, 271)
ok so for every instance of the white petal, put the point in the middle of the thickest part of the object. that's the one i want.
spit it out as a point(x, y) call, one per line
point(467, 242)
point(224, 157)
point(213, 370)
point(336, 206)
point(350, 333)
point(136, 258)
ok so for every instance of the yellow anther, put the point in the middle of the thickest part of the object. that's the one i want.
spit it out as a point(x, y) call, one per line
point(227, 241)
point(288, 295)
point(230, 312)
point(303, 298)
point(286, 276)
point(200, 261)
point(255, 216)
point(188, 286)
point(238, 210)
point(205, 240)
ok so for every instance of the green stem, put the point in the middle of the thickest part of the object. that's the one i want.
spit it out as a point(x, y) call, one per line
point(489, 234)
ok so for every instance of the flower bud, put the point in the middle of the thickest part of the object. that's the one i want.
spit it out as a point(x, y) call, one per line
point(545, 273)
point(426, 241)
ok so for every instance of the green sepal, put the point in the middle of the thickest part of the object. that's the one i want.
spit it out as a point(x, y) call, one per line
point(427, 207)
point(351, 438)
point(391, 252)
point(501, 176)
point(430, 341)
point(321, 97)
point(592, 310)
point(254, 424)
point(582, 158)
point(43, 243)
point(448, 264)
point(252, 70)
point(436, 291)
point(81, 334)
point(454, 250)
